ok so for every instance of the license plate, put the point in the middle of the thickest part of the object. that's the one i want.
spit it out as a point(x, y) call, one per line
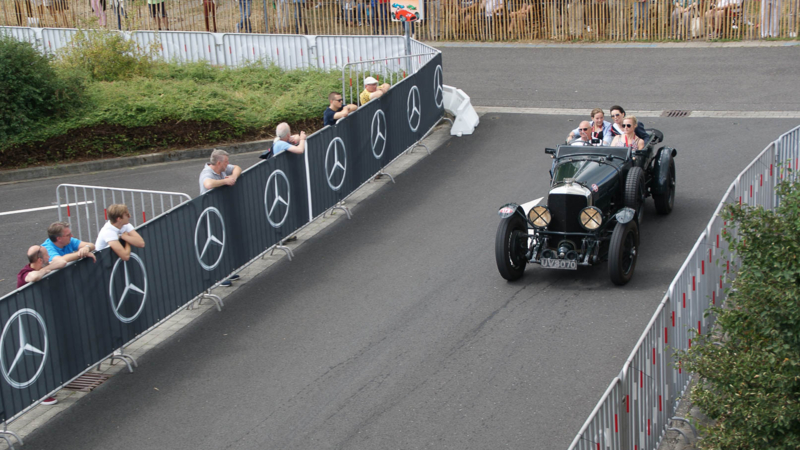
point(564, 264)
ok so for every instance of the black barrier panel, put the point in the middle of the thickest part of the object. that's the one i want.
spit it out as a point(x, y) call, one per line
point(269, 202)
point(394, 106)
point(323, 196)
point(372, 139)
point(429, 82)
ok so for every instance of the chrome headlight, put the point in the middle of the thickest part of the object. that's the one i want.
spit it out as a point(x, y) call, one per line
point(591, 218)
point(539, 216)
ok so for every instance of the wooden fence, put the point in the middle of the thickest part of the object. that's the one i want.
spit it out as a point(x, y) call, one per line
point(445, 20)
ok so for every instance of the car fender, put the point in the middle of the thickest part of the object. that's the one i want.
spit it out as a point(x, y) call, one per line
point(661, 170)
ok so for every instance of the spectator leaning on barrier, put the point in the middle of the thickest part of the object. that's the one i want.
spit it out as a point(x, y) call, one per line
point(372, 90)
point(218, 172)
point(336, 111)
point(618, 115)
point(286, 142)
point(38, 266)
point(118, 233)
point(60, 242)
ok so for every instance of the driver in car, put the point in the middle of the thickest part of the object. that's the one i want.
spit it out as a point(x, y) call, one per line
point(585, 135)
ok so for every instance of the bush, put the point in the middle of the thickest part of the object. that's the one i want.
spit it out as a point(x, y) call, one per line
point(104, 55)
point(30, 89)
point(750, 369)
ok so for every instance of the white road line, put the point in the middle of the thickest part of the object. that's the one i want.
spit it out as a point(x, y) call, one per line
point(20, 211)
point(582, 112)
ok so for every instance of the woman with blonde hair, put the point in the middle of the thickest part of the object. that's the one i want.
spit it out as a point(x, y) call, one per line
point(628, 137)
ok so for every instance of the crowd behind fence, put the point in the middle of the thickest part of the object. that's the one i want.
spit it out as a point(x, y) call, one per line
point(445, 20)
point(60, 327)
point(637, 408)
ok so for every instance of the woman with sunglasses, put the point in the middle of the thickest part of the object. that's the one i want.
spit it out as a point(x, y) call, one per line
point(628, 137)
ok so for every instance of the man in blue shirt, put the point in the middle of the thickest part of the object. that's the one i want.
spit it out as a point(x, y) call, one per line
point(336, 110)
point(285, 141)
point(61, 243)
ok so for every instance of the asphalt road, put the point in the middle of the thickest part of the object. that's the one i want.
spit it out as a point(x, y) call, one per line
point(715, 79)
point(394, 329)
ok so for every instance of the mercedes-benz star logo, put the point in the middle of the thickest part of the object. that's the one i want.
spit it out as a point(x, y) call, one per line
point(413, 106)
point(277, 187)
point(25, 347)
point(210, 237)
point(377, 134)
point(336, 164)
point(438, 90)
point(130, 289)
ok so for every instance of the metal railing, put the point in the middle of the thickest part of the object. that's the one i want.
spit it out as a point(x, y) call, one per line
point(385, 70)
point(84, 207)
point(560, 20)
point(636, 409)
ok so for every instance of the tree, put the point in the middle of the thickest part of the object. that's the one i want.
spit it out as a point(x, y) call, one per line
point(750, 367)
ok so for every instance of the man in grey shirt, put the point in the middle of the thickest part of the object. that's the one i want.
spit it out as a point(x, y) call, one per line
point(218, 172)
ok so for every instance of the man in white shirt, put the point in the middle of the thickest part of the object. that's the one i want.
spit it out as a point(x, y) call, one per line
point(118, 233)
point(218, 172)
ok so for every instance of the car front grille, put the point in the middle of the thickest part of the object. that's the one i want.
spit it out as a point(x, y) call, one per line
point(565, 210)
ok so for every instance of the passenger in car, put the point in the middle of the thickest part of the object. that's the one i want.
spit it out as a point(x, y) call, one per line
point(618, 115)
point(628, 138)
point(601, 130)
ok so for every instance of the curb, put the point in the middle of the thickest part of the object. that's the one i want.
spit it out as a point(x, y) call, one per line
point(128, 161)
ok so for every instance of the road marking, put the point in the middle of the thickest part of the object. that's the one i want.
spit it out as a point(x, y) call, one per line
point(20, 211)
point(582, 112)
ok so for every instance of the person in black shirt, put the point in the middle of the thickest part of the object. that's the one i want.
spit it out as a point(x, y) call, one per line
point(336, 111)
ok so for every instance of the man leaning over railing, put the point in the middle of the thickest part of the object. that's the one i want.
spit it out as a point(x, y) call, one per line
point(118, 233)
point(336, 110)
point(60, 242)
point(372, 90)
point(39, 265)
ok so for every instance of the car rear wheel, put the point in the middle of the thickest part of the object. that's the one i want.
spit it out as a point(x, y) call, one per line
point(510, 247)
point(622, 252)
point(635, 190)
point(666, 200)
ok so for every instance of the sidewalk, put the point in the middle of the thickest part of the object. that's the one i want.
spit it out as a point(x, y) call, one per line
point(618, 45)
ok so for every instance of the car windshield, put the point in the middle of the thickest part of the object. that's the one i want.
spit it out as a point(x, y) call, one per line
point(581, 170)
point(569, 150)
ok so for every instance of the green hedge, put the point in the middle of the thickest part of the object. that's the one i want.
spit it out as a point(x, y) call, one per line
point(126, 102)
point(750, 368)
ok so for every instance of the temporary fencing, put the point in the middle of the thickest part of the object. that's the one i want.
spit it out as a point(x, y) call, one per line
point(56, 329)
point(462, 20)
point(85, 207)
point(385, 70)
point(288, 52)
point(637, 408)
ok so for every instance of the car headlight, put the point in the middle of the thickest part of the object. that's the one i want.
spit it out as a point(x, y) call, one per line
point(539, 216)
point(591, 218)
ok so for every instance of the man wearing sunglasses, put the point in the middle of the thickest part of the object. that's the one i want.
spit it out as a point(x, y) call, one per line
point(336, 110)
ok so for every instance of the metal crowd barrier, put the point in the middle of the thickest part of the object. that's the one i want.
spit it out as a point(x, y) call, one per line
point(84, 206)
point(287, 51)
point(639, 404)
point(385, 70)
point(60, 327)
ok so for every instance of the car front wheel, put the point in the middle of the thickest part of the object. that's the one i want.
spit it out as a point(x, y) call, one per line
point(622, 252)
point(510, 247)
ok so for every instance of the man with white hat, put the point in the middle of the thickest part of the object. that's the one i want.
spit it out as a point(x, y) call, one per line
point(372, 90)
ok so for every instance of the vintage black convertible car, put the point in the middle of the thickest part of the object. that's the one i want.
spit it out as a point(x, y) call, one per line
point(593, 210)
